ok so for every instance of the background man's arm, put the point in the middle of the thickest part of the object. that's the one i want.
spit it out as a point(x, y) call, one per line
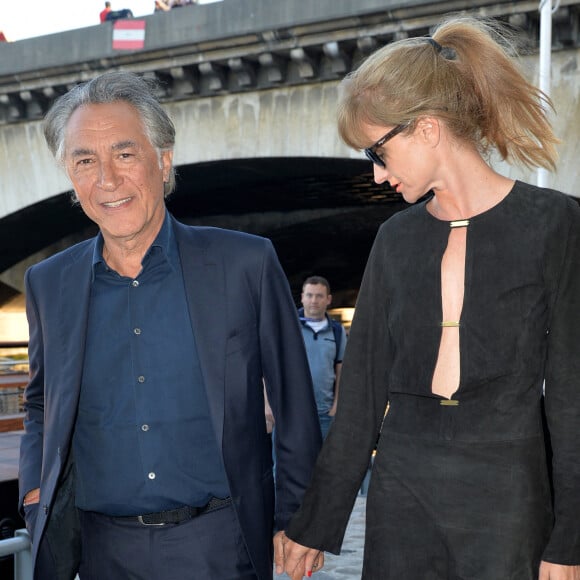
point(337, 371)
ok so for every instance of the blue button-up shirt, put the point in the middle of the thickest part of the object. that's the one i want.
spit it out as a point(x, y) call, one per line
point(143, 440)
point(321, 350)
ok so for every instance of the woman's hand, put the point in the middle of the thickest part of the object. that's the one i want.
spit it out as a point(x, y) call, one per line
point(549, 571)
point(294, 559)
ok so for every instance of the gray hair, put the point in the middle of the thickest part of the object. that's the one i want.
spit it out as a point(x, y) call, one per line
point(111, 87)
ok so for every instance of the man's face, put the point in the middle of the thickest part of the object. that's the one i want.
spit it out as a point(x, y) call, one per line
point(116, 173)
point(315, 299)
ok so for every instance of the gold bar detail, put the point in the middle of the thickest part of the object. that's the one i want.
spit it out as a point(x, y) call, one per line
point(450, 324)
point(459, 224)
point(449, 402)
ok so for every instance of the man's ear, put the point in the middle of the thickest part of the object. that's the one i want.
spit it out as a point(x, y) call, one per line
point(166, 163)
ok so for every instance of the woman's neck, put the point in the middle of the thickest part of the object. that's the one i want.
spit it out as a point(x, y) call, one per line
point(468, 193)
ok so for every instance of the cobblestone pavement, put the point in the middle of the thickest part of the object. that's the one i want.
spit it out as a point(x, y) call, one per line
point(347, 566)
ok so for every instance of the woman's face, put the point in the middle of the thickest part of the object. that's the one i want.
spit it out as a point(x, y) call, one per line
point(410, 160)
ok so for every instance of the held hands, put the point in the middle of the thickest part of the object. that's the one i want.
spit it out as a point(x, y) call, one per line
point(299, 561)
point(296, 560)
point(549, 571)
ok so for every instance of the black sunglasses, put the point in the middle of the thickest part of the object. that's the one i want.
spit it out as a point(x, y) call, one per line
point(371, 152)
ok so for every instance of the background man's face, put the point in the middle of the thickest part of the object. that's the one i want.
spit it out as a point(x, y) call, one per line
point(315, 299)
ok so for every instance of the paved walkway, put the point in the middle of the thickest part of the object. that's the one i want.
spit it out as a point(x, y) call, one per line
point(347, 566)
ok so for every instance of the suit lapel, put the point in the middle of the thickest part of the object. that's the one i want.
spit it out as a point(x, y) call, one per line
point(73, 310)
point(204, 279)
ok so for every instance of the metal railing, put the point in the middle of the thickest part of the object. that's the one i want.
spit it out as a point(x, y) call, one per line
point(9, 366)
point(19, 546)
point(13, 378)
point(11, 400)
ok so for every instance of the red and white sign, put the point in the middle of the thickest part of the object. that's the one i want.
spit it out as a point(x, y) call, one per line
point(129, 34)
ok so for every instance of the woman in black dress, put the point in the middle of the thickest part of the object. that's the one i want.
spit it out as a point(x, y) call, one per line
point(469, 304)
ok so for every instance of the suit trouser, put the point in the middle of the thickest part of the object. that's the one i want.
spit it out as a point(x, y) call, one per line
point(206, 547)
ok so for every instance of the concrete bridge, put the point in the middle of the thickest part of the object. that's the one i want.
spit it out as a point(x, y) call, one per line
point(252, 88)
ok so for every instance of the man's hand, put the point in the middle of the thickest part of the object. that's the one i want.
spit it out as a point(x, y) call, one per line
point(549, 571)
point(296, 560)
point(33, 496)
point(279, 539)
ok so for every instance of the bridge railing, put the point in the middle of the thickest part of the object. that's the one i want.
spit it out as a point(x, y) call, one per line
point(14, 369)
point(19, 547)
point(247, 45)
point(11, 400)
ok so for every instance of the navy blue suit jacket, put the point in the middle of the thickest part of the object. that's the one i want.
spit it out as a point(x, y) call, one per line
point(246, 331)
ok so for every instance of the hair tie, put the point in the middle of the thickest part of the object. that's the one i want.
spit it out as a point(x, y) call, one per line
point(446, 52)
point(434, 44)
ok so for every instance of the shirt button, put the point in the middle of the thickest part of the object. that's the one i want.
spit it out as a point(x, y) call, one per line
point(144, 427)
point(135, 283)
point(151, 475)
point(141, 379)
point(137, 330)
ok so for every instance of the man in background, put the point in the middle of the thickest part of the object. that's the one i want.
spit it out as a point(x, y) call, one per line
point(325, 341)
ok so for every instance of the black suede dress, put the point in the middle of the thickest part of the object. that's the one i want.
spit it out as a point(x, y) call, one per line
point(460, 488)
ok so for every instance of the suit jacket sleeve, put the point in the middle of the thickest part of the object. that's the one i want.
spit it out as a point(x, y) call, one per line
point(32, 440)
point(288, 383)
point(322, 519)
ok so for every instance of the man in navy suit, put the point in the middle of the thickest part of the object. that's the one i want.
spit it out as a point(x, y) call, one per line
point(146, 453)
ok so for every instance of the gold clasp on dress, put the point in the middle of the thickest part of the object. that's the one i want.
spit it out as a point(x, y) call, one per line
point(449, 402)
point(459, 224)
point(450, 324)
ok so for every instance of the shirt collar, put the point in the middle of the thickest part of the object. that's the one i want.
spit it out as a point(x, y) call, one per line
point(304, 319)
point(165, 243)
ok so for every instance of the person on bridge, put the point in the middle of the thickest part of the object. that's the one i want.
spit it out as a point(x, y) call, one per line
point(105, 12)
point(145, 453)
point(467, 324)
point(161, 6)
point(110, 15)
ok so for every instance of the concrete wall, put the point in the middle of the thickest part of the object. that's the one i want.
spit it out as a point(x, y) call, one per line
point(286, 122)
point(565, 93)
